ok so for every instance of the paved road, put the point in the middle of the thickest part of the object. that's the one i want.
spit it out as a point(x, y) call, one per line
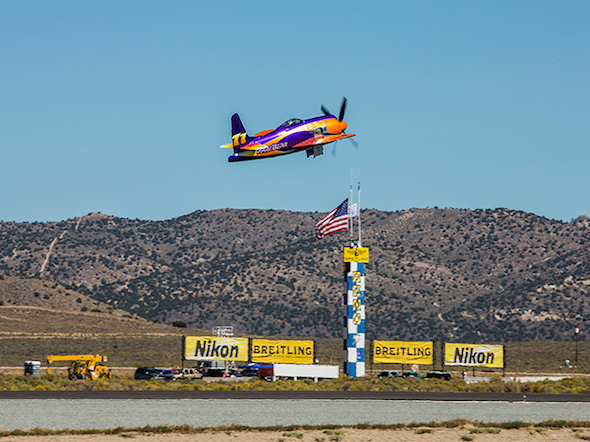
point(287, 395)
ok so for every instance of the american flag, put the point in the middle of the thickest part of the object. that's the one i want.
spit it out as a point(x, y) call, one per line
point(335, 221)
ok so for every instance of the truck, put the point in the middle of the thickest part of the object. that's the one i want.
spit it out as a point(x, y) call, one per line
point(143, 373)
point(184, 373)
point(296, 371)
point(82, 366)
point(217, 369)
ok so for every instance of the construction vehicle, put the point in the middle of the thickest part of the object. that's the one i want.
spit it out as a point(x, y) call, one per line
point(83, 366)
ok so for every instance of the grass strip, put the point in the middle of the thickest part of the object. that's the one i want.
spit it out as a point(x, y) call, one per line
point(579, 385)
point(328, 429)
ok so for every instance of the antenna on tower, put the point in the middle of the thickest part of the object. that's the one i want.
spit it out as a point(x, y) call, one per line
point(350, 218)
point(359, 215)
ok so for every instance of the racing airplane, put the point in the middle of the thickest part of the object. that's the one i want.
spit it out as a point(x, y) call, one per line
point(294, 135)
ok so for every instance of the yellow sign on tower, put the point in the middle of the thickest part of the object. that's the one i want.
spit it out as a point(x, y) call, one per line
point(356, 254)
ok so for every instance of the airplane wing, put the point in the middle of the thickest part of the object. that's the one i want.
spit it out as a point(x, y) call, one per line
point(324, 139)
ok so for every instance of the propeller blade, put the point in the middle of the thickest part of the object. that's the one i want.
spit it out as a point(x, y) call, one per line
point(354, 143)
point(334, 149)
point(326, 111)
point(342, 109)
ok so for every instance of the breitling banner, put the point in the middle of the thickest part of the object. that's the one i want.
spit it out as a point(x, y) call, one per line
point(477, 355)
point(282, 351)
point(212, 348)
point(400, 352)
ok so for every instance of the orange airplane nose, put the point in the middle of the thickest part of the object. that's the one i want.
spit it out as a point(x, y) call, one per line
point(336, 127)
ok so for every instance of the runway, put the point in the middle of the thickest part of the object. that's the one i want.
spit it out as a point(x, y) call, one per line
point(298, 395)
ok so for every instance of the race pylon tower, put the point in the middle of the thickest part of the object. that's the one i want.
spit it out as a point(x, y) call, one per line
point(355, 258)
point(354, 362)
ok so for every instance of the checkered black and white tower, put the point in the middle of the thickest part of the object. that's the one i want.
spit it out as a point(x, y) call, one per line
point(354, 330)
point(355, 259)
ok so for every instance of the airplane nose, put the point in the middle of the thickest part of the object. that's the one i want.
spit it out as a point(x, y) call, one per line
point(336, 127)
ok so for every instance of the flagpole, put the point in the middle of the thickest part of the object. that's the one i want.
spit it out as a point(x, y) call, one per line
point(359, 203)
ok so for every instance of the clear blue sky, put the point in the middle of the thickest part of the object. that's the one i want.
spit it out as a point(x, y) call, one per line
point(120, 107)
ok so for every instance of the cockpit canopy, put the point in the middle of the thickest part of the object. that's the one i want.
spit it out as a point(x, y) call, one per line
point(291, 122)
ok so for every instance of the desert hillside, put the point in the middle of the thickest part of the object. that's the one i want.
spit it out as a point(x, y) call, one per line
point(29, 305)
point(441, 274)
point(40, 317)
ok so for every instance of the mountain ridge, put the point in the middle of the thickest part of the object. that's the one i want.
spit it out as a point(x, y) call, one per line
point(445, 274)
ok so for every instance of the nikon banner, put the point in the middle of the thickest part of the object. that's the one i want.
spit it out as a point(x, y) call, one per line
point(476, 355)
point(282, 351)
point(212, 348)
point(400, 352)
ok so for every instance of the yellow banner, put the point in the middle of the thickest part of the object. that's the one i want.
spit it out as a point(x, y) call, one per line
point(401, 352)
point(356, 254)
point(480, 355)
point(282, 351)
point(212, 348)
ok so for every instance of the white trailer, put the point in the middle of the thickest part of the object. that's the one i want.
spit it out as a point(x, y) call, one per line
point(296, 371)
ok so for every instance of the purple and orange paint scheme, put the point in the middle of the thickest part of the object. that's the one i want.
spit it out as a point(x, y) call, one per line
point(294, 135)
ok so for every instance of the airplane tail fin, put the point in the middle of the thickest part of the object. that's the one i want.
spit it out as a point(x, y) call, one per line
point(239, 135)
point(236, 125)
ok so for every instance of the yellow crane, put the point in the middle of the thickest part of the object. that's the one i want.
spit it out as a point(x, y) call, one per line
point(83, 366)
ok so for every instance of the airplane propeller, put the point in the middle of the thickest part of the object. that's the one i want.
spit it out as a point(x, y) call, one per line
point(340, 118)
point(342, 110)
point(354, 143)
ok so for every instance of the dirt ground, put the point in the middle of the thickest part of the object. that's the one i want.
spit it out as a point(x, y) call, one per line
point(413, 435)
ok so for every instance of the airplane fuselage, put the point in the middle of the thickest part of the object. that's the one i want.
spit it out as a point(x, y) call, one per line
point(294, 135)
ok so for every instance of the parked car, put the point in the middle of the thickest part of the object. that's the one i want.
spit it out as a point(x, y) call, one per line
point(253, 369)
point(186, 374)
point(250, 371)
point(412, 374)
point(148, 373)
point(389, 374)
point(220, 372)
point(167, 374)
point(175, 374)
point(439, 375)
